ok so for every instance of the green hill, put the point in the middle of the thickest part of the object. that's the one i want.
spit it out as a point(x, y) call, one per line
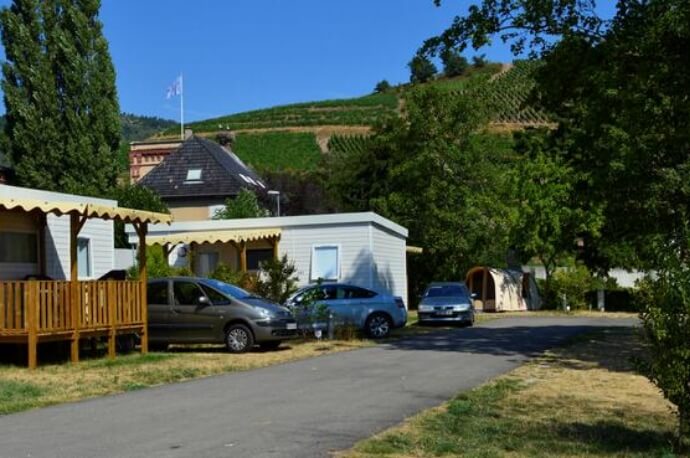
point(289, 136)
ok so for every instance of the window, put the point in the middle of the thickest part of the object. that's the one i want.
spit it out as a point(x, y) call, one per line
point(352, 292)
point(193, 175)
point(84, 257)
point(157, 293)
point(19, 247)
point(186, 293)
point(215, 297)
point(207, 263)
point(325, 262)
point(257, 256)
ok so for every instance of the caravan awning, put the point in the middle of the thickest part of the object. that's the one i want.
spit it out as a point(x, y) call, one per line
point(126, 215)
point(235, 235)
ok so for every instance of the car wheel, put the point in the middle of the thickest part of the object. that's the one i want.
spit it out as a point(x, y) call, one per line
point(378, 326)
point(126, 344)
point(271, 345)
point(238, 338)
point(158, 346)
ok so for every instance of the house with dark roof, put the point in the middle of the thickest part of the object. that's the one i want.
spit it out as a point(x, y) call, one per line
point(198, 176)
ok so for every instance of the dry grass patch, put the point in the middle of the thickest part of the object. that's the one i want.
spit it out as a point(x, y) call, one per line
point(581, 400)
point(22, 389)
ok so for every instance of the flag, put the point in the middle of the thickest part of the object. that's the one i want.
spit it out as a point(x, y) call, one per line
point(175, 88)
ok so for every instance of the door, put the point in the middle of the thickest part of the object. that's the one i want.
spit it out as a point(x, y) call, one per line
point(359, 303)
point(158, 299)
point(338, 302)
point(192, 316)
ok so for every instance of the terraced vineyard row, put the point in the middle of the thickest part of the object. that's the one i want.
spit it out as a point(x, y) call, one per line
point(506, 96)
point(347, 143)
point(360, 111)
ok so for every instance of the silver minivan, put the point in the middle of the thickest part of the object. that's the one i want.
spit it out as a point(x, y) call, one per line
point(202, 310)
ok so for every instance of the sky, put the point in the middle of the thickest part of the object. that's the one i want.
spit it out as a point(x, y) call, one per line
point(241, 55)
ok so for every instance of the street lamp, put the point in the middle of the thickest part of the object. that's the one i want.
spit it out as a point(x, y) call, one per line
point(277, 194)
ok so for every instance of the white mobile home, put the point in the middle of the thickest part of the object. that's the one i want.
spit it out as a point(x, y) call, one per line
point(33, 243)
point(364, 249)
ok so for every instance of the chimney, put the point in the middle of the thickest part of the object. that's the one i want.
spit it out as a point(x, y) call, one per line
point(188, 134)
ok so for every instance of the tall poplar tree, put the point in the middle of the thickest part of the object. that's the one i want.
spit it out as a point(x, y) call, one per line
point(63, 127)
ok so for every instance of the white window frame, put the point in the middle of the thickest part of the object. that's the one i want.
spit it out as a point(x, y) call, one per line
point(313, 265)
point(195, 178)
point(89, 260)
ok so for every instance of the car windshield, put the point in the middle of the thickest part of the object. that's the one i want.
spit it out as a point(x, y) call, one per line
point(446, 291)
point(231, 290)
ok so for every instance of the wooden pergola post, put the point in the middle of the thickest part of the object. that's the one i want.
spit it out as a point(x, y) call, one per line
point(141, 229)
point(31, 301)
point(243, 257)
point(275, 247)
point(75, 225)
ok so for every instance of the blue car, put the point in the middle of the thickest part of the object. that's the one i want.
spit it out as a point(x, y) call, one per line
point(374, 313)
point(446, 302)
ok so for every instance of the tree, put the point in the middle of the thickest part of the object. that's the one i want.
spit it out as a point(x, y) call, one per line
point(421, 69)
point(245, 205)
point(550, 217)
point(63, 125)
point(437, 174)
point(454, 64)
point(139, 198)
point(382, 86)
point(479, 61)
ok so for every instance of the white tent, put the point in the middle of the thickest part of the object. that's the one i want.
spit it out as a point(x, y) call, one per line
point(500, 290)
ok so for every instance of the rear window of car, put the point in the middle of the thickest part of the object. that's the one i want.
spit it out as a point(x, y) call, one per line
point(157, 293)
point(446, 291)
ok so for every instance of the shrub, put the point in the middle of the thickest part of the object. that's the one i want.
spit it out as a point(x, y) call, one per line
point(277, 280)
point(665, 313)
point(572, 283)
point(454, 64)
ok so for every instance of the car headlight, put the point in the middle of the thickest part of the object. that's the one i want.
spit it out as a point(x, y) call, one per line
point(426, 308)
point(263, 312)
point(462, 307)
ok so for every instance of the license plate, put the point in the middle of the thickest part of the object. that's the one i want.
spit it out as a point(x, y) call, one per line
point(291, 326)
point(445, 312)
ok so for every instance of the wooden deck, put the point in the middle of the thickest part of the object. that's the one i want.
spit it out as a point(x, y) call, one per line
point(39, 311)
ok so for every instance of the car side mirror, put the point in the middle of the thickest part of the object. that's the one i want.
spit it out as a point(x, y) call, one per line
point(203, 301)
point(474, 295)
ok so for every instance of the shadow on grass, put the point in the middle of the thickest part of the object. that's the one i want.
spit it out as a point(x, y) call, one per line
point(613, 437)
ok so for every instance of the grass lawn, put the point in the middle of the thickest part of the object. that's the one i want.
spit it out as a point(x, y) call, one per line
point(22, 389)
point(580, 400)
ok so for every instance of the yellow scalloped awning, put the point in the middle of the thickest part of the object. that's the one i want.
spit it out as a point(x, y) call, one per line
point(234, 235)
point(127, 215)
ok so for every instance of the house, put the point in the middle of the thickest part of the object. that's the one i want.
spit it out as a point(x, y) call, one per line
point(198, 176)
point(144, 156)
point(69, 239)
point(37, 244)
point(365, 249)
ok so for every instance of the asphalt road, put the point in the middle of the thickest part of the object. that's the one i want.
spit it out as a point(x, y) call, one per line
point(300, 409)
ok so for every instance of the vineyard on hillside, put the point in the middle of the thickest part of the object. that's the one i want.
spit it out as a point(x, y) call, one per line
point(359, 111)
point(507, 95)
point(278, 150)
point(347, 143)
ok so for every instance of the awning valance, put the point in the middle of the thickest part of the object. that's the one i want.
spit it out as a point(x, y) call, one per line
point(414, 249)
point(234, 235)
point(127, 215)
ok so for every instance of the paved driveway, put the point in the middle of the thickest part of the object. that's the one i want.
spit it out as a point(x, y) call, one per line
point(299, 409)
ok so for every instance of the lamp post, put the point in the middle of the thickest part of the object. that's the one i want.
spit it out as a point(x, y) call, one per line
point(277, 194)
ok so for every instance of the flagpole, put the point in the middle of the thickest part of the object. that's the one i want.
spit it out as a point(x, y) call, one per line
point(181, 108)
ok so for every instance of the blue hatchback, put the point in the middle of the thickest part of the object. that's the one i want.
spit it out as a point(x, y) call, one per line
point(374, 313)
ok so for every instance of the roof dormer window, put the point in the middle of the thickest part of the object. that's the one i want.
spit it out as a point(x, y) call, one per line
point(193, 175)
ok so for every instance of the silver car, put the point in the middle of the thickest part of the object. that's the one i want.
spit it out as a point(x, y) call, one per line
point(446, 302)
point(374, 313)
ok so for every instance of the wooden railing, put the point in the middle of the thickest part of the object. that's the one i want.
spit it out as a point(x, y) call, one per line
point(56, 310)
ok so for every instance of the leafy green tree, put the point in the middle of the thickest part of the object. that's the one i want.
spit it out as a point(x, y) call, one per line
point(245, 205)
point(382, 86)
point(421, 69)
point(437, 174)
point(454, 64)
point(479, 61)
point(139, 198)
point(550, 216)
point(63, 125)
point(277, 280)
